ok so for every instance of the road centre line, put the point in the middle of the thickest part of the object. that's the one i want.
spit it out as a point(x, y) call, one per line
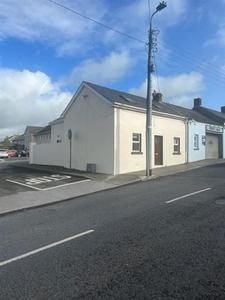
point(50, 188)
point(45, 247)
point(185, 196)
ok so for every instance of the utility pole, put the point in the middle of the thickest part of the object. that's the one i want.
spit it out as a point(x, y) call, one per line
point(150, 69)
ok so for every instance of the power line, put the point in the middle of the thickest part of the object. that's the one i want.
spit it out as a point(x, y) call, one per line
point(184, 67)
point(99, 23)
point(189, 54)
point(211, 74)
point(138, 40)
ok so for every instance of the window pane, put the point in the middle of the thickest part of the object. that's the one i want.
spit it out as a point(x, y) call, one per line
point(176, 146)
point(136, 145)
point(136, 137)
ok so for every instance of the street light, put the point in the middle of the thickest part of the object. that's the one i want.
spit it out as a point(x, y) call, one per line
point(161, 6)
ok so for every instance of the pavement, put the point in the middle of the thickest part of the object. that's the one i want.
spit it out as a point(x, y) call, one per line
point(93, 182)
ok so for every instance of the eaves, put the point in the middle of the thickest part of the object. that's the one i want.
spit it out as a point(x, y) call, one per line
point(143, 110)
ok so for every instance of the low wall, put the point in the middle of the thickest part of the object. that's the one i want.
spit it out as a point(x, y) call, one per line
point(47, 154)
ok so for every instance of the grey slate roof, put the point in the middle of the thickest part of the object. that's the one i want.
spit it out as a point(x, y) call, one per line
point(19, 138)
point(140, 102)
point(44, 130)
point(217, 116)
point(34, 129)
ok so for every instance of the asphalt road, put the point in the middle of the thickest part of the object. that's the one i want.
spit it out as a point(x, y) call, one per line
point(14, 179)
point(159, 239)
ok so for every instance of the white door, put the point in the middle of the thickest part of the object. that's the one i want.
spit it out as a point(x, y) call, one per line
point(212, 146)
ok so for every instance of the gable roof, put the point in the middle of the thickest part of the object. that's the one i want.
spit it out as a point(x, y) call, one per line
point(115, 97)
point(44, 130)
point(19, 138)
point(33, 129)
point(217, 116)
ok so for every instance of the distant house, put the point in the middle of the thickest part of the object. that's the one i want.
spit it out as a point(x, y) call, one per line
point(18, 142)
point(103, 130)
point(215, 136)
point(29, 135)
point(44, 135)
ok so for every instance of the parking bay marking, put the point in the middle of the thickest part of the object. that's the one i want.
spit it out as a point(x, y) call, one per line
point(31, 182)
point(45, 247)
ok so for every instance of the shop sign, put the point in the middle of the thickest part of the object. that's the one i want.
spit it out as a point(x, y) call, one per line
point(214, 128)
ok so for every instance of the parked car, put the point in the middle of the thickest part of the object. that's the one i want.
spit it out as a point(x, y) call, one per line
point(4, 153)
point(24, 153)
point(12, 153)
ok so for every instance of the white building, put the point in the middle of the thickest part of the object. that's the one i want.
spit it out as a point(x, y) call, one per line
point(103, 130)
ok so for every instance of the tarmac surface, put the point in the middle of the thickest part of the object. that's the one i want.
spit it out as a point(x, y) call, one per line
point(97, 182)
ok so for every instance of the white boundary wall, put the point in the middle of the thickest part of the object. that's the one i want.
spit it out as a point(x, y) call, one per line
point(47, 154)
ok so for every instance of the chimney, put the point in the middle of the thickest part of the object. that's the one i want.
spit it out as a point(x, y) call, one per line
point(157, 96)
point(197, 102)
point(223, 109)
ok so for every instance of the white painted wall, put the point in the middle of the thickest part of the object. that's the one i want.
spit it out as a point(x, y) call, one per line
point(170, 128)
point(47, 154)
point(57, 132)
point(91, 122)
point(223, 143)
point(199, 129)
point(128, 122)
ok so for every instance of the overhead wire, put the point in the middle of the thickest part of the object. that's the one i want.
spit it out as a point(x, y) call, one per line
point(215, 68)
point(220, 74)
point(97, 22)
point(179, 65)
point(196, 67)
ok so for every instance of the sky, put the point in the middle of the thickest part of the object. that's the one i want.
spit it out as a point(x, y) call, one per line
point(48, 48)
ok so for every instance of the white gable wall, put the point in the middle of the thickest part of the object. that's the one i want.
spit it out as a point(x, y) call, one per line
point(91, 122)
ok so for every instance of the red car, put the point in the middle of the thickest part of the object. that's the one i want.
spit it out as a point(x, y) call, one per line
point(12, 153)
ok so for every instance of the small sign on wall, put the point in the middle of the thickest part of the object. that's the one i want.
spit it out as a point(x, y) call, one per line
point(203, 140)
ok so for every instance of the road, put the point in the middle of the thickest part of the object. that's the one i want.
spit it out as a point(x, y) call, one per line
point(15, 179)
point(158, 239)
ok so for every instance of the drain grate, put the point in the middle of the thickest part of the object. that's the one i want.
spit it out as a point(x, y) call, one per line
point(220, 201)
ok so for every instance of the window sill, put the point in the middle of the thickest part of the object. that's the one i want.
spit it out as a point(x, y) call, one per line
point(136, 152)
point(176, 153)
point(196, 149)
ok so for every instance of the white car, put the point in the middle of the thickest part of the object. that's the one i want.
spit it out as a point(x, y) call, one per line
point(4, 153)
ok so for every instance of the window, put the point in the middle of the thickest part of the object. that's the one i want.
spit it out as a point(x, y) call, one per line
point(136, 142)
point(196, 142)
point(176, 145)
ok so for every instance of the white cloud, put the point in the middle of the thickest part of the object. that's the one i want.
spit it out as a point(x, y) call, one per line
point(28, 98)
point(49, 23)
point(107, 69)
point(180, 89)
point(221, 35)
point(70, 33)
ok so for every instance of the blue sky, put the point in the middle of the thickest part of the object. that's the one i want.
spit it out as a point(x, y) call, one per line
point(46, 51)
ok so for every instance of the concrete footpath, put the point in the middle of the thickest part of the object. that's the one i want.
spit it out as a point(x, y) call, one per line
point(92, 182)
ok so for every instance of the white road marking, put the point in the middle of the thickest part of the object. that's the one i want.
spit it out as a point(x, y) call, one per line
point(50, 188)
point(185, 196)
point(23, 184)
point(55, 187)
point(44, 248)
